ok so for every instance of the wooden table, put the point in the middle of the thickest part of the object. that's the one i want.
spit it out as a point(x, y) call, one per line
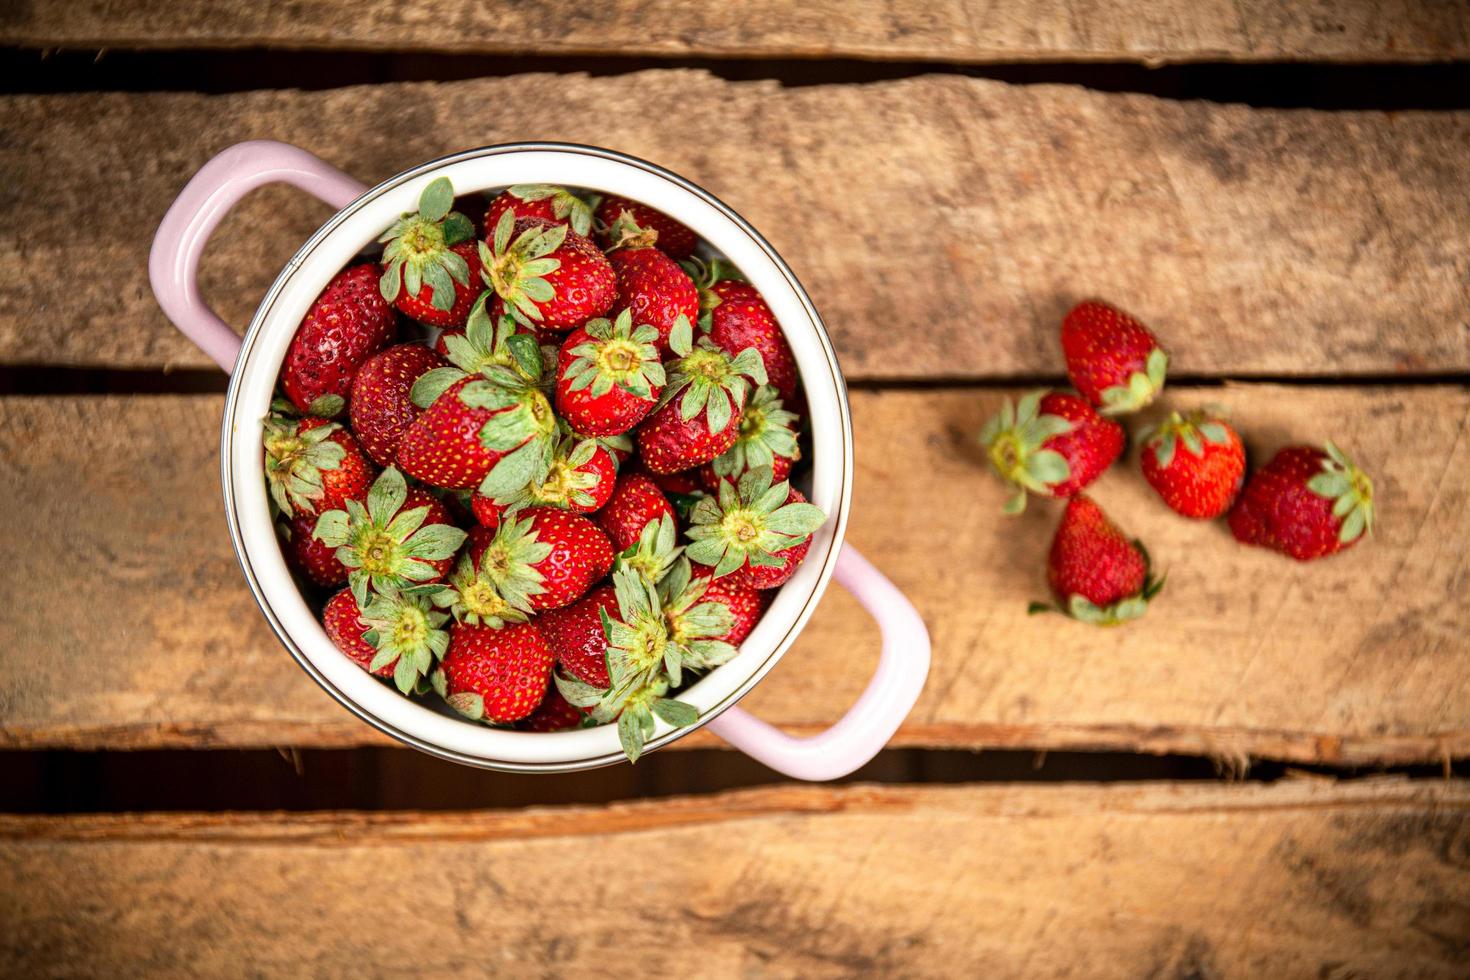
point(1307, 268)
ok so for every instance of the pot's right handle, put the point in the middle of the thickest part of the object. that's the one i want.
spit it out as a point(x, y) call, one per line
point(887, 700)
point(173, 264)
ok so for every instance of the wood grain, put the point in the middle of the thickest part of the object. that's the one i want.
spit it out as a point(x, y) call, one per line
point(971, 214)
point(150, 638)
point(1298, 879)
point(966, 31)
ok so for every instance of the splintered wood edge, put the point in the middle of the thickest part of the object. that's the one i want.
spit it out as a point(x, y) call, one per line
point(351, 828)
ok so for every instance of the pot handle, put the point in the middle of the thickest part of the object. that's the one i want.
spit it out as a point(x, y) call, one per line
point(173, 263)
point(882, 707)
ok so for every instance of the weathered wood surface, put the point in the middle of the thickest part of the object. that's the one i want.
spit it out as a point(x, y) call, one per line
point(1296, 879)
point(970, 215)
point(146, 634)
point(966, 31)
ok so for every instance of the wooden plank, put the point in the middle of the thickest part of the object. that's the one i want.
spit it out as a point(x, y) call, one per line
point(971, 213)
point(1298, 879)
point(885, 30)
point(148, 636)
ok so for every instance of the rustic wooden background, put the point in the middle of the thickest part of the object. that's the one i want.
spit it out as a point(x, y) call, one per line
point(1302, 245)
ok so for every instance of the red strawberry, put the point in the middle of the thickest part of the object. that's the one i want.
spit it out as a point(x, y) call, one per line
point(752, 531)
point(735, 316)
point(746, 605)
point(1196, 462)
point(575, 635)
point(674, 239)
point(316, 561)
point(431, 260)
point(767, 438)
point(651, 286)
point(545, 201)
point(494, 675)
point(636, 501)
point(546, 274)
point(1097, 574)
point(684, 484)
point(348, 322)
point(580, 479)
point(1050, 443)
point(538, 558)
point(1112, 359)
point(381, 408)
point(1305, 503)
point(403, 537)
point(486, 511)
point(554, 714)
point(313, 465)
point(608, 376)
point(698, 416)
point(397, 636)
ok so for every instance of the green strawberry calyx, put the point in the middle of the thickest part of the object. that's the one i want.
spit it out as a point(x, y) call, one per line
point(749, 522)
point(386, 549)
point(707, 379)
point(767, 430)
point(407, 630)
point(483, 345)
point(626, 232)
point(517, 269)
point(1128, 608)
point(506, 579)
point(565, 205)
point(1349, 489)
point(1191, 429)
point(417, 249)
point(295, 460)
point(654, 553)
point(617, 354)
point(695, 626)
point(568, 481)
point(1142, 387)
point(639, 654)
point(1015, 441)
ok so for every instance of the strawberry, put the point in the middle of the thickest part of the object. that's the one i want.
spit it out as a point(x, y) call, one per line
point(753, 531)
point(401, 538)
point(545, 201)
point(639, 651)
point(538, 558)
point(546, 274)
point(312, 559)
point(635, 501)
point(348, 322)
point(1112, 359)
point(697, 625)
point(767, 438)
point(398, 635)
point(313, 465)
point(581, 479)
point(493, 429)
point(651, 286)
point(486, 511)
point(735, 316)
point(575, 635)
point(608, 376)
point(494, 675)
point(654, 552)
point(674, 240)
point(380, 409)
point(1049, 443)
point(698, 415)
point(553, 714)
point(431, 261)
point(746, 605)
point(1196, 462)
point(1096, 573)
point(1305, 503)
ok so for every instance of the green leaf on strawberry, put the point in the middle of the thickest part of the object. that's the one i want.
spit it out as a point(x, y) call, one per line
point(1349, 489)
point(709, 380)
point(749, 522)
point(417, 248)
point(565, 205)
point(1013, 441)
point(655, 551)
point(516, 269)
point(406, 629)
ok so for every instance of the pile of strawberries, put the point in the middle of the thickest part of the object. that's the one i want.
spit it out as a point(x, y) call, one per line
point(1306, 502)
point(496, 437)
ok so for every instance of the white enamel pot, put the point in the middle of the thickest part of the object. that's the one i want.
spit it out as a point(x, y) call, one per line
point(255, 362)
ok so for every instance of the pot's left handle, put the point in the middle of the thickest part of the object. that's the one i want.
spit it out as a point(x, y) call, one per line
point(173, 264)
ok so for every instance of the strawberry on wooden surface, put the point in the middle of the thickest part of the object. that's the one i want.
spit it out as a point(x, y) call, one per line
point(547, 202)
point(381, 408)
point(349, 321)
point(674, 240)
point(494, 675)
point(1112, 359)
point(1049, 443)
point(734, 315)
point(312, 465)
point(1096, 573)
point(609, 376)
point(752, 530)
point(1305, 503)
point(547, 275)
point(431, 260)
point(1195, 461)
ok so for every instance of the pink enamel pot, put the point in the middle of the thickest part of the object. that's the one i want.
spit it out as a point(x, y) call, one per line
point(255, 361)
